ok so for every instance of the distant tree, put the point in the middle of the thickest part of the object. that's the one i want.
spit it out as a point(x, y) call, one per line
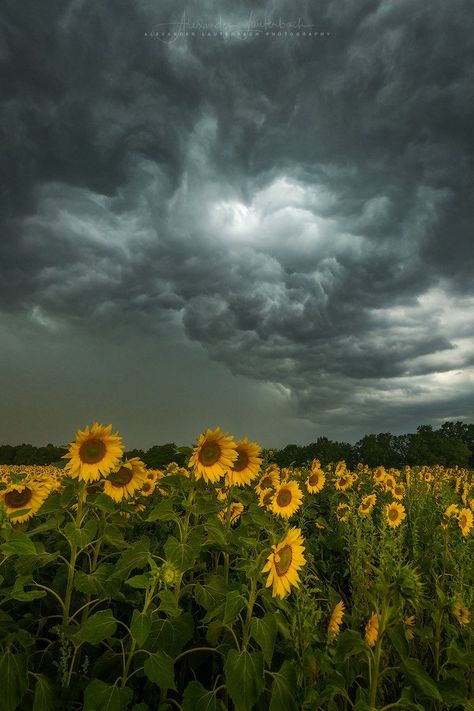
point(161, 455)
point(378, 450)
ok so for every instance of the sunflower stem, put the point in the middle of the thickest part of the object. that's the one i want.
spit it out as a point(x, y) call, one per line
point(72, 560)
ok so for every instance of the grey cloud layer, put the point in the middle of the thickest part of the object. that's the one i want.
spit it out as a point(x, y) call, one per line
point(302, 209)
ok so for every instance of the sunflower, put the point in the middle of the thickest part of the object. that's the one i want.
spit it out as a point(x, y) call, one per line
point(284, 562)
point(233, 511)
point(409, 622)
point(367, 504)
point(372, 629)
point(27, 497)
point(213, 455)
point(465, 521)
point(127, 480)
point(341, 468)
point(344, 481)
point(148, 487)
point(247, 465)
point(395, 514)
point(316, 480)
point(269, 480)
point(265, 498)
point(335, 621)
point(222, 492)
point(287, 499)
point(94, 453)
point(342, 512)
point(315, 464)
point(398, 491)
point(461, 613)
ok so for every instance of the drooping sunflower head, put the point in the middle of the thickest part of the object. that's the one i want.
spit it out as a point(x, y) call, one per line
point(343, 512)
point(94, 453)
point(231, 513)
point(247, 465)
point(372, 630)
point(287, 499)
point(395, 514)
point(316, 480)
point(335, 620)
point(379, 475)
point(27, 498)
point(341, 468)
point(367, 504)
point(398, 491)
point(129, 478)
point(409, 623)
point(213, 456)
point(265, 498)
point(270, 480)
point(461, 613)
point(284, 563)
point(315, 464)
point(465, 521)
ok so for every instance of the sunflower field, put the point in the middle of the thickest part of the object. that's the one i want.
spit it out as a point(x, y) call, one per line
point(233, 584)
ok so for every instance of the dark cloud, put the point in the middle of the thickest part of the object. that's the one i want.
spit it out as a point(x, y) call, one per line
point(299, 208)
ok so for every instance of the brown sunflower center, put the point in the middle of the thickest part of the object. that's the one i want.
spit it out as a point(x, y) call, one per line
point(393, 514)
point(18, 499)
point(365, 505)
point(463, 520)
point(313, 480)
point(284, 498)
point(241, 462)
point(146, 487)
point(209, 454)
point(122, 477)
point(267, 498)
point(266, 482)
point(92, 451)
point(285, 556)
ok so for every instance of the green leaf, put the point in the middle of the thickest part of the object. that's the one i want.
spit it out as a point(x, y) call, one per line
point(159, 668)
point(19, 593)
point(170, 635)
point(169, 604)
point(181, 555)
point(13, 681)
point(140, 627)
point(212, 593)
point(139, 582)
point(135, 557)
point(420, 678)
point(349, 642)
point(164, 511)
point(97, 627)
point(216, 533)
point(264, 632)
point(234, 603)
point(244, 678)
point(93, 583)
point(284, 689)
point(103, 503)
point(44, 698)
point(18, 544)
point(397, 637)
point(99, 696)
point(197, 698)
point(453, 691)
point(112, 535)
point(80, 537)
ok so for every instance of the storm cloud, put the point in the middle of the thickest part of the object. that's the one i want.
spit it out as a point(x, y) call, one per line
point(284, 215)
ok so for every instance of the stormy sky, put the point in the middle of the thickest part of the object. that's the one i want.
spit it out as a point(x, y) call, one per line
point(262, 222)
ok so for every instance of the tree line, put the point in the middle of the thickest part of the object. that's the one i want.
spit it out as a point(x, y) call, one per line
point(449, 445)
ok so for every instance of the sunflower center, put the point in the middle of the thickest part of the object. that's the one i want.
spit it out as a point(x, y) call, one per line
point(209, 454)
point(284, 498)
point(146, 487)
point(122, 477)
point(266, 482)
point(267, 498)
point(365, 504)
point(313, 479)
point(463, 521)
point(92, 451)
point(285, 556)
point(393, 514)
point(241, 462)
point(18, 499)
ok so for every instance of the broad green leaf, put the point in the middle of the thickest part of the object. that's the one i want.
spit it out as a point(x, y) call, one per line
point(97, 627)
point(169, 604)
point(453, 691)
point(159, 668)
point(244, 678)
point(139, 582)
point(140, 627)
point(99, 696)
point(93, 583)
point(234, 603)
point(170, 635)
point(264, 631)
point(349, 642)
point(197, 698)
point(216, 533)
point(80, 537)
point(44, 698)
point(103, 503)
point(18, 544)
point(113, 536)
point(136, 556)
point(420, 678)
point(164, 511)
point(181, 555)
point(284, 689)
point(13, 681)
point(398, 640)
